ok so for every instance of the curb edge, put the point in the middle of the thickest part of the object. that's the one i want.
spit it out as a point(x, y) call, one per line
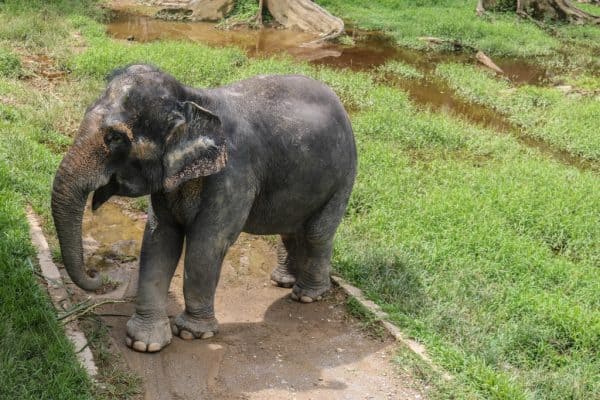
point(58, 293)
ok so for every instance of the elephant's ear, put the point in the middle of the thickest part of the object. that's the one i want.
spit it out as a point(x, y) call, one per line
point(195, 147)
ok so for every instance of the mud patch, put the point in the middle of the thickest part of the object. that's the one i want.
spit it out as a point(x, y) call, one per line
point(265, 41)
point(42, 66)
point(268, 346)
point(371, 49)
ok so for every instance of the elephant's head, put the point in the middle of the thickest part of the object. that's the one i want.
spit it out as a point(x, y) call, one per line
point(146, 133)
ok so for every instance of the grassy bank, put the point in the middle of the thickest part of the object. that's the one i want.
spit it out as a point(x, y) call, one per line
point(477, 246)
point(569, 122)
point(499, 34)
point(36, 359)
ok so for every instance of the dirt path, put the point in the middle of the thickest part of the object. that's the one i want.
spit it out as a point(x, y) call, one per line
point(268, 347)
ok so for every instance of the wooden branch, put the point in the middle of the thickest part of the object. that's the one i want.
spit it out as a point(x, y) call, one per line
point(259, 18)
point(480, 10)
point(83, 308)
point(485, 60)
point(458, 45)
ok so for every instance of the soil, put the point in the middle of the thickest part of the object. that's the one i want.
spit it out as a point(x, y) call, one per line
point(268, 346)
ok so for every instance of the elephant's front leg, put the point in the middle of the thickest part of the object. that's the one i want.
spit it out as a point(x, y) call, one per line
point(203, 258)
point(149, 329)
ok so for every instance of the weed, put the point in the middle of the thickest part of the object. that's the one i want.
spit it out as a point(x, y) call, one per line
point(369, 322)
point(400, 69)
point(345, 40)
point(141, 203)
point(117, 382)
point(10, 64)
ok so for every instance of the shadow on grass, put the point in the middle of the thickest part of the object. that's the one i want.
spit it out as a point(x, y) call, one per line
point(386, 277)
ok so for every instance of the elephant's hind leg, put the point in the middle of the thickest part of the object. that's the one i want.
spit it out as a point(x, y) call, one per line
point(313, 278)
point(289, 256)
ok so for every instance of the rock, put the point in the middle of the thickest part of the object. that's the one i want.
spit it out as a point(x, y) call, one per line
point(90, 245)
point(98, 262)
point(196, 10)
point(564, 88)
point(210, 10)
point(124, 250)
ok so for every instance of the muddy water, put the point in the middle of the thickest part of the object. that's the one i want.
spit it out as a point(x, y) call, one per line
point(437, 96)
point(371, 50)
point(255, 42)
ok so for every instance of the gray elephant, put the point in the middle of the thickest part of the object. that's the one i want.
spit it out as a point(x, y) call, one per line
point(267, 155)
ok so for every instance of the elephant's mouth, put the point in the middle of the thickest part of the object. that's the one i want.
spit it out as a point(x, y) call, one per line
point(119, 188)
point(103, 193)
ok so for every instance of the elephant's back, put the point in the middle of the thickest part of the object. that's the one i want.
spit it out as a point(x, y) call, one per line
point(277, 116)
point(293, 133)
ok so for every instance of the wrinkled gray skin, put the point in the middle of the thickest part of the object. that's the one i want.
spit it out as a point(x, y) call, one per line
point(267, 155)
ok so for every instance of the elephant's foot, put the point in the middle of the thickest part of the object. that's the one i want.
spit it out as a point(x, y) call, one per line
point(188, 327)
point(146, 334)
point(309, 293)
point(283, 277)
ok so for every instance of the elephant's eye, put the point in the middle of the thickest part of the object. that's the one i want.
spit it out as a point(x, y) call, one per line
point(117, 142)
point(113, 136)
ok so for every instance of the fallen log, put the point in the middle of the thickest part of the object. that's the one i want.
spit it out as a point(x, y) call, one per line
point(485, 60)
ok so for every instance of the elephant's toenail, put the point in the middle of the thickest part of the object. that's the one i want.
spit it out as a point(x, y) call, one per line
point(294, 296)
point(207, 335)
point(139, 346)
point(186, 335)
point(128, 341)
point(153, 347)
point(306, 299)
point(175, 330)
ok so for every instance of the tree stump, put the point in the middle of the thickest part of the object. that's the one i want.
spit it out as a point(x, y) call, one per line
point(306, 16)
point(554, 10)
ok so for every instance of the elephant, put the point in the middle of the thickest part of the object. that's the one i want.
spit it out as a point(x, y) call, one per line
point(269, 155)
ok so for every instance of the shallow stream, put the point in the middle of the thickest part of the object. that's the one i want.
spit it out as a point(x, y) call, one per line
point(371, 49)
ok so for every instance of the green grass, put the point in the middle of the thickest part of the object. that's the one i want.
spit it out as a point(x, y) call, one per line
point(406, 21)
point(399, 69)
point(569, 122)
point(36, 359)
point(479, 247)
point(10, 64)
point(498, 34)
point(589, 8)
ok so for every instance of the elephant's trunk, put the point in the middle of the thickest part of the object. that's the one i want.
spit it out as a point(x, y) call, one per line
point(80, 172)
